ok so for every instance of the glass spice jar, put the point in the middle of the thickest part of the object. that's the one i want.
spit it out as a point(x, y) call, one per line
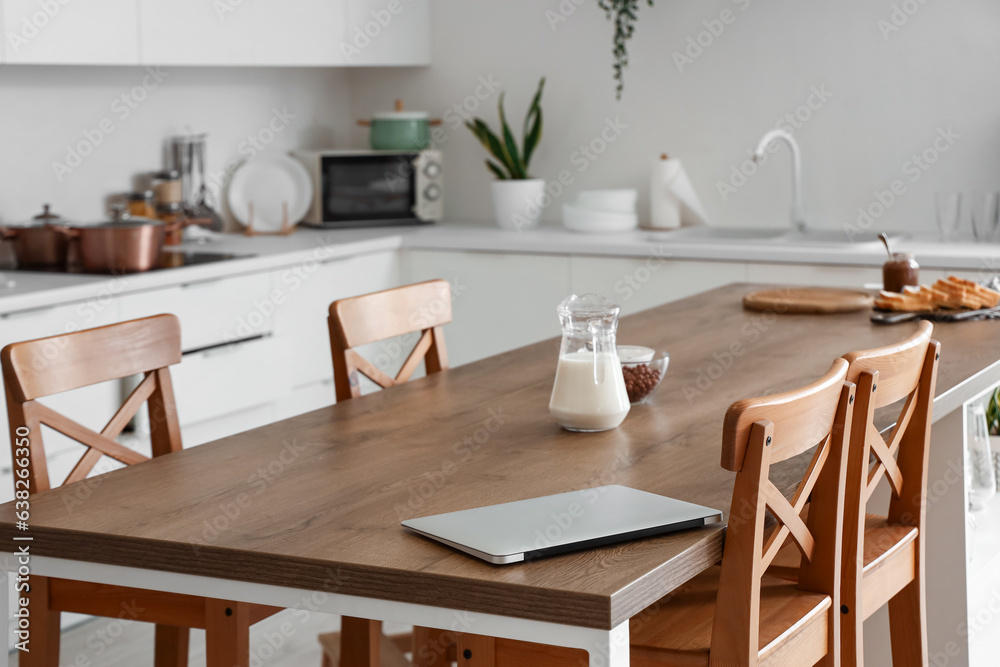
point(167, 186)
point(900, 271)
point(140, 204)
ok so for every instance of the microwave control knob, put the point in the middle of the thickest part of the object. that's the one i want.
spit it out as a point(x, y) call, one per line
point(432, 193)
point(432, 170)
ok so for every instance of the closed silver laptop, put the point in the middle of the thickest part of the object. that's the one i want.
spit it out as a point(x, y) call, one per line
point(526, 529)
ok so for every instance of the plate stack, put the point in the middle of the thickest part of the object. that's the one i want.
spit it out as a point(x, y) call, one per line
point(602, 212)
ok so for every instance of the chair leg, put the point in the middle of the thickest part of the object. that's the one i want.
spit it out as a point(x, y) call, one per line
point(431, 647)
point(43, 644)
point(908, 625)
point(171, 646)
point(360, 642)
point(227, 633)
point(475, 651)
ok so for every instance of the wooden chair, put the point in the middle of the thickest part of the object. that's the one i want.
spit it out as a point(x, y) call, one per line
point(737, 613)
point(356, 321)
point(360, 320)
point(30, 372)
point(884, 553)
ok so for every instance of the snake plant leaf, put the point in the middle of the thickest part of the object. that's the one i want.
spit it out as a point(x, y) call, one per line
point(510, 146)
point(535, 105)
point(533, 125)
point(497, 171)
point(489, 141)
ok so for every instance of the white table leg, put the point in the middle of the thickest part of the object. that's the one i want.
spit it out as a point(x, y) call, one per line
point(610, 649)
point(5, 591)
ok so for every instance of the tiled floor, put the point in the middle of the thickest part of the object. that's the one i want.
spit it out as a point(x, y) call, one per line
point(287, 639)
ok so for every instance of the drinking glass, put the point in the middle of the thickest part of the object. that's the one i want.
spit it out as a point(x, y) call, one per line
point(982, 477)
point(949, 207)
point(984, 216)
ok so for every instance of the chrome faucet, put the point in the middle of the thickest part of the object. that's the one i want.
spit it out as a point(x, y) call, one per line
point(799, 215)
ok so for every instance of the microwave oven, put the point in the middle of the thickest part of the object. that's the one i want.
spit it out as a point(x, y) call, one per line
point(373, 188)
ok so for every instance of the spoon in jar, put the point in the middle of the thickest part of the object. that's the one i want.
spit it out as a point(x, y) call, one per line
point(885, 241)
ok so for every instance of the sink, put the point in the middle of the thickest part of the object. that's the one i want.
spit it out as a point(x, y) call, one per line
point(839, 237)
point(701, 234)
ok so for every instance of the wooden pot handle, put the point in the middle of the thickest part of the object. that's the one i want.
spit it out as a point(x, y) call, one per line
point(435, 122)
point(365, 123)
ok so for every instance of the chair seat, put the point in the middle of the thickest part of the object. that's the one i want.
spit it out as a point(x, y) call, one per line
point(883, 541)
point(677, 631)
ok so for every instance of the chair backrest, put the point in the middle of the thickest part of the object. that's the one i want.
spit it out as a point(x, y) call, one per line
point(759, 433)
point(360, 320)
point(38, 368)
point(885, 376)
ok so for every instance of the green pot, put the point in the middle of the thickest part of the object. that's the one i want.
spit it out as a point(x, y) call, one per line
point(400, 131)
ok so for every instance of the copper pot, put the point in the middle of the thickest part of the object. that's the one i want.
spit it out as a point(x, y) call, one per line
point(122, 245)
point(39, 242)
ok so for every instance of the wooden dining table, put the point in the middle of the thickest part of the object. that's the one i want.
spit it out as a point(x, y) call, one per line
point(307, 511)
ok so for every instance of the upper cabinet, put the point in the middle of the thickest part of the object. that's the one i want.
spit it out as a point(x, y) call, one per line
point(322, 33)
point(388, 32)
point(237, 32)
point(95, 32)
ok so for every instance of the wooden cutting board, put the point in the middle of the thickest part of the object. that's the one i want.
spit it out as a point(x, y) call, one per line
point(819, 300)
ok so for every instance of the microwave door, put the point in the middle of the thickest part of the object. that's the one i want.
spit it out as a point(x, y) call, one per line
point(358, 189)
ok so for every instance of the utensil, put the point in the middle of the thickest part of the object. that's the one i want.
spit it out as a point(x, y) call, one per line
point(123, 244)
point(813, 300)
point(593, 221)
point(38, 243)
point(984, 216)
point(589, 392)
point(982, 475)
point(885, 241)
point(642, 377)
point(949, 207)
point(399, 130)
point(270, 184)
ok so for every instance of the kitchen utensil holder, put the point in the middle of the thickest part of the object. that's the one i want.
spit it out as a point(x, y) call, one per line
point(286, 227)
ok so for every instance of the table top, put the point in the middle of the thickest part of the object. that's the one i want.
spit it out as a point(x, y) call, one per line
point(314, 502)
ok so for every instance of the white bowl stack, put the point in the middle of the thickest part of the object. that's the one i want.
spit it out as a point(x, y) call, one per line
point(602, 211)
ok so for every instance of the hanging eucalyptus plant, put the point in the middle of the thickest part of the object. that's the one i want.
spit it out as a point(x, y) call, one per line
point(624, 14)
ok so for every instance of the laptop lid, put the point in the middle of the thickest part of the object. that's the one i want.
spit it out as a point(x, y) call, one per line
point(526, 529)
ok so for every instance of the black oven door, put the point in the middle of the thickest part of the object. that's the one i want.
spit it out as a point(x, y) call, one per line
point(368, 190)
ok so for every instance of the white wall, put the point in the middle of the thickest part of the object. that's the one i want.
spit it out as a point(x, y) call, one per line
point(46, 111)
point(890, 97)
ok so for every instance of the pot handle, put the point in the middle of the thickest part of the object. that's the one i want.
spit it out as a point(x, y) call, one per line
point(435, 122)
point(66, 231)
point(365, 123)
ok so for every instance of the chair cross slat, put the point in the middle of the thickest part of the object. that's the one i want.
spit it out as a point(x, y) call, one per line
point(777, 537)
point(130, 407)
point(368, 369)
point(84, 466)
point(886, 464)
point(790, 520)
point(85, 436)
point(416, 356)
point(903, 422)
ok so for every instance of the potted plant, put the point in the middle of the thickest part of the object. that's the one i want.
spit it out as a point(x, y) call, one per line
point(993, 421)
point(517, 196)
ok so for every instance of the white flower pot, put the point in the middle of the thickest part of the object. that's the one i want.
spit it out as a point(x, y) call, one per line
point(518, 204)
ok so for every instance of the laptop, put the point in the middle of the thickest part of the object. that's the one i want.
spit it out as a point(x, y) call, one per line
point(564, 522)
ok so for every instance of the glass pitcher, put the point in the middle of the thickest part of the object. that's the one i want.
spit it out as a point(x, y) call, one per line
point(589, 391)
point(981, 474)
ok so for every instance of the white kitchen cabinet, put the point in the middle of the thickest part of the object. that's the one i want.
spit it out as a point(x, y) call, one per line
point(242, 32)
point(211, 312)
point(388, 32)
point(94, 32)
point(637, 284)
point(306, 291)
point(814, 274)
point(499, 301)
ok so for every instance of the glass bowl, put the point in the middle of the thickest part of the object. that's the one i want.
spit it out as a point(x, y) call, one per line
point(643, 376)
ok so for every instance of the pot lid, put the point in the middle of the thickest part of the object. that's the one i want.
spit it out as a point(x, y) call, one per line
point(134, 222)
point(400, 114)
point(46, 215)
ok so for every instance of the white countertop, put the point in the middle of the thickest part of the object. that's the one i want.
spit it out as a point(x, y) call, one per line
point(38, 290)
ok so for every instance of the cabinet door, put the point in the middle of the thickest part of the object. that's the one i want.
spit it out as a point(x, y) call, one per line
point(306, 292)
point(95, 32)
point(241, 32)
point(388, 32)
point(637, 284)
point(499, 301)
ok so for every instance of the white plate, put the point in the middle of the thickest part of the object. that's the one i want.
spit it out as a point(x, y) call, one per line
point(268, 182)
